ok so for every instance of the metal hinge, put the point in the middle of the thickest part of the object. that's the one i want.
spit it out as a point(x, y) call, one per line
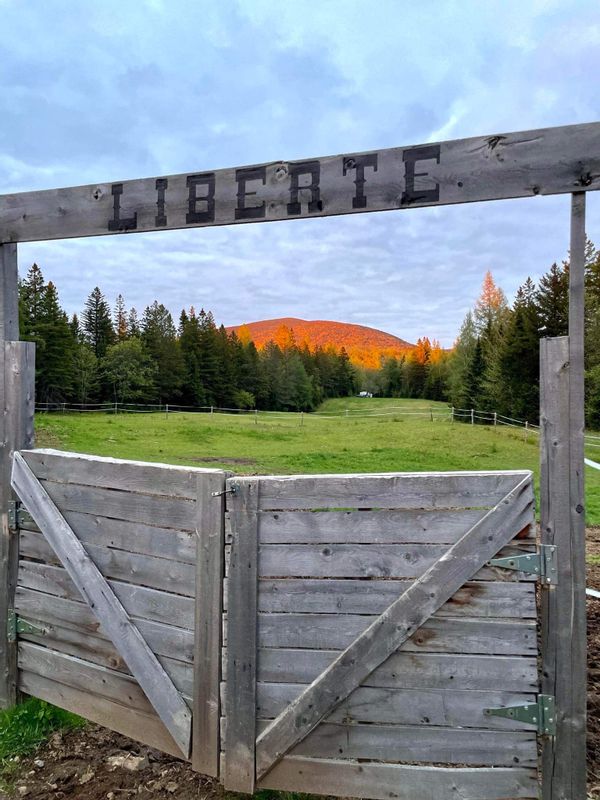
point(16, 625)
point(18, 516)
point(543, 563)
point(542, 714)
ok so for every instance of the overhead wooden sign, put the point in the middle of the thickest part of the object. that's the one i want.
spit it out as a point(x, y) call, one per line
point(539, 162)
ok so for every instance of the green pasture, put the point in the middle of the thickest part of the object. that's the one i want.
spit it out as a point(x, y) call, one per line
point(292, 443)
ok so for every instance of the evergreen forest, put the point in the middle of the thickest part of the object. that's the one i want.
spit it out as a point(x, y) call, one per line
point(118, 355)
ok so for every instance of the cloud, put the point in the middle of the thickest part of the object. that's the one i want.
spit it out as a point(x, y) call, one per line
point(128, 90)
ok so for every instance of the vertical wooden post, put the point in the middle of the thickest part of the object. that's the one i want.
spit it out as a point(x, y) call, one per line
point(472, 416)
point(17, 402)
point(495, 419)
point(563, 524)
point(209, 621)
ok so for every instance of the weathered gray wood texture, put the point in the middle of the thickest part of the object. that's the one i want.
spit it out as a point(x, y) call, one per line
point(239, 774)
point(493, 167)
point(468, 641)
point(563, 605)
point(17, 388)
point(155, 587)
point(209, 606)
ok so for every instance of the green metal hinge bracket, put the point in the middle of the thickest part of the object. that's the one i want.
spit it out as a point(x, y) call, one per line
point(543, 563)
point(16, 625)
point(18, 516)
point(542, 714)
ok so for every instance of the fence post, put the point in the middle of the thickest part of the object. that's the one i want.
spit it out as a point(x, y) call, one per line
point(431, 413)
point(17, 403)
point(526, 429)
point(211, 409)
point(256, 416)
point(301, 419)
point(495, 419)
point(346, 412)
point(472, 416)
point(564, 648)
point(166, 411)
point(452, 414)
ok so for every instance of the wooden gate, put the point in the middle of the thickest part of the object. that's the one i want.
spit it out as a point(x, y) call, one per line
point(117, 610)
point(387, 650)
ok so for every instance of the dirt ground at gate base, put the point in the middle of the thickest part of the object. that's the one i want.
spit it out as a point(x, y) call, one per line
point(79, 764)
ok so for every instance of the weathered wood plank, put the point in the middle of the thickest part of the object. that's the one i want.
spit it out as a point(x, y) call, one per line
point(157, 573)
point(571, 686)
point(138, 601)
point(88, 647)
point(402, 782)
point(208, 616)
point(409, 490)
point(140, 477)
point(476, 598)
point(409, 670)
point(458, 635)
point(420, 743)
point(133, 537)
point(126, 637)
point(166, 512)
point(83, 675)
point(562, 667)
point(163, 639)
point(461, 709)
point(239, 772)
point(362, 561)
point(519, 164)
point(398, 623)
point(392, 526)
point(145, 728)
point(17, 400)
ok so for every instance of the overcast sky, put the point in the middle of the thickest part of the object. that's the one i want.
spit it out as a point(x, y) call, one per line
point(116, 89)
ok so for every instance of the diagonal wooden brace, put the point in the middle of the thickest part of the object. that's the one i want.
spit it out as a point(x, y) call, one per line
point(397, 624)
point(145, 667)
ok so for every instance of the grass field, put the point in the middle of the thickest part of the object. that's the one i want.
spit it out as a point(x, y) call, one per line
point(284, 444)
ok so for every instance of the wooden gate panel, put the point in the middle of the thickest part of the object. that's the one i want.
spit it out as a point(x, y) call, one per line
point(333, 554)
point(141, 525)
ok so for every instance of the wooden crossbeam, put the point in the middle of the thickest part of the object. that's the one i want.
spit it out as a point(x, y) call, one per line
point(397, 624)
point(493, 167)
point(144, 666)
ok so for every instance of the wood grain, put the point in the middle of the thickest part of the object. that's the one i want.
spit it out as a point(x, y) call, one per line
point(400, 621)
point(493, 167)
point(126, 637)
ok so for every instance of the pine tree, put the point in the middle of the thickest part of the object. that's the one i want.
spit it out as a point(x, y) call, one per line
point(97, 324)
point(120, 319)
point(32, 291)
point(490, 305)
point(160, 340)
point(552, 300)
point(519, 359)
point(54, 364)
point(133, 324)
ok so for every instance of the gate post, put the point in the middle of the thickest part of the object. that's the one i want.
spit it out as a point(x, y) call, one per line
point(17, 393)
point(563, 524)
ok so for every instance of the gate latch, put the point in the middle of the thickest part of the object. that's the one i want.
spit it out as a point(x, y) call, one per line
point(16, 625)
point(543, 563)
point(541, 713)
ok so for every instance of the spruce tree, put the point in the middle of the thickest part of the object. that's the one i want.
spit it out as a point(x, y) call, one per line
point(96, 323)
point(552, 301)
point(160, 340)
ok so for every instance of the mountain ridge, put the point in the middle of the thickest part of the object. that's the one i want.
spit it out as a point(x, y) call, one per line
point(365, 346)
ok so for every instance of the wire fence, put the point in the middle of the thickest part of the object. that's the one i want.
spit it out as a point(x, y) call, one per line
point(473, 416)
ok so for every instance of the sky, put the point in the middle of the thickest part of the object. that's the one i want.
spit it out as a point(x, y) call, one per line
point(110, 90)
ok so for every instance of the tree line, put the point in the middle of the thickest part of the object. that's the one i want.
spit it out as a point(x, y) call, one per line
point(120, 356)
point(495, 362)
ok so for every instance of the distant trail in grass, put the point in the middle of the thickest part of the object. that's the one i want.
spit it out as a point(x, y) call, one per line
point(282, 445)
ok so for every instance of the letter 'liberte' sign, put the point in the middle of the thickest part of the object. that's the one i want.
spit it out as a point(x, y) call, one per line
point(546, 161)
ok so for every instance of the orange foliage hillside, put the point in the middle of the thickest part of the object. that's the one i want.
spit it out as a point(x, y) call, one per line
point(365, 346)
